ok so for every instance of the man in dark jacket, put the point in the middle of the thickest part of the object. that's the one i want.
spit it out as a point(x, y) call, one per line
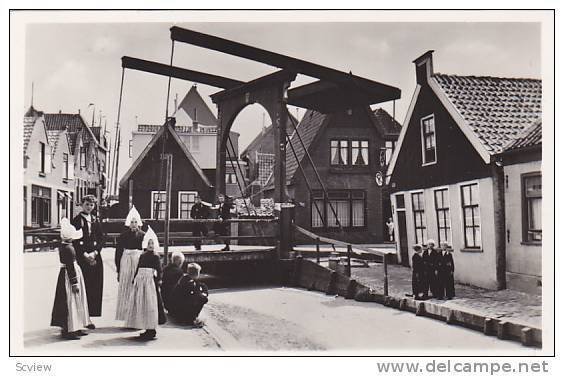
point(189, 297)
point(222, 229)
point(199, 211)
point(418, 274)
point(171, 275)
point(88, 255)
point(435, 261)
point(446, 272)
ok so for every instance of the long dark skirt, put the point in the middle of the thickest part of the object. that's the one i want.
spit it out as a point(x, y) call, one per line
point(94, 281)
point(59, 316)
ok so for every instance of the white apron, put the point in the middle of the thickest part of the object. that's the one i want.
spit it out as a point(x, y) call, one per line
point(128, 265)
point(142, 307)
point(77, 304)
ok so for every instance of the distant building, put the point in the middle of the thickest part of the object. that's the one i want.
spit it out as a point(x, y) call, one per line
point(90, 154)
point(196, 127)
point(449, 183)
point(48, 173)
point(143, 185)
point(349, 149)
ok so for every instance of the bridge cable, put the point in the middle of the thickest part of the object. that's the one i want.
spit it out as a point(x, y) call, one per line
point(325, 194)
point(306, 180)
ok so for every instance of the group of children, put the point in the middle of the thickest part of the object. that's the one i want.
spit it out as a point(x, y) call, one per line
point(432, 271)
point(139, 275)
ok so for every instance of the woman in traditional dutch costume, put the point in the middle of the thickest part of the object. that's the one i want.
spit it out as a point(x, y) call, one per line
point(145, 309)
point(88, 255)
point(70, 309)
point(128, 250)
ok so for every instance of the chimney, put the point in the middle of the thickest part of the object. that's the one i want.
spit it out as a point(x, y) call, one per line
point(60, 111)
point(195, 119)
point(424, 67)
point(79, 111)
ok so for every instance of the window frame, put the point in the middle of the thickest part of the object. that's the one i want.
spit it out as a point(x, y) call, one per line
point(423, 139)
point(463, 221)
point(190, 203)
point(40, 200)
point(424, 233)
point(448, 229)
point(525, 208)
point(349, 151)
point(42, 156)
point(153, 202)
point(318, 195)
point(66, 166)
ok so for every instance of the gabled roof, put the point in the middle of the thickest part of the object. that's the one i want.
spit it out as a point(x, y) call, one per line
point(490, 111)
point(529, 137)
point(53, 137)
point(310, 125)
point(267, 132)
point(495, 109)
point(386, 123)
point(73, 124)
point(166, 128)
point(193, 100)
point(29, 123)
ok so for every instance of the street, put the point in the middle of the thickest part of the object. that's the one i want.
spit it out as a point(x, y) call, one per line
point(251, 320)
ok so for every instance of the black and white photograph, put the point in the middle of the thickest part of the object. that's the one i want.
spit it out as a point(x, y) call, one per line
point(305, 183)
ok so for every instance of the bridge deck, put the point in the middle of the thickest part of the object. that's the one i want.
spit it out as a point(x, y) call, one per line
point(213, 253)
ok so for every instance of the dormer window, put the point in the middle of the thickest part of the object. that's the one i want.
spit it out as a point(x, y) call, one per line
point(428, 141)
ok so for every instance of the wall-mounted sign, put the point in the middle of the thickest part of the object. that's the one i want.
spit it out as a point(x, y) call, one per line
point(379, 179)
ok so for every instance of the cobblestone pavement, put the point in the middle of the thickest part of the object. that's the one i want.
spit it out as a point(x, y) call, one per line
point(511, 305)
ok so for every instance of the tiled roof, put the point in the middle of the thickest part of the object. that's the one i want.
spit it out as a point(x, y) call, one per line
point(385, 122)
point(531, 136)
point(495, 109)
point(53, 137)
point(308, 128)
point(71, 122)
point(29, 122)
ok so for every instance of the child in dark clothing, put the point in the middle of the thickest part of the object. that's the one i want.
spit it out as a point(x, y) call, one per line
point(189, 297)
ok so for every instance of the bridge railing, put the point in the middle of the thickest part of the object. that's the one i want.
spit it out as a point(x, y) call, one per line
point(49, 237)
point(351, 248)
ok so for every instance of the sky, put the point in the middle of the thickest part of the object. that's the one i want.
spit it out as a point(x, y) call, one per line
point(73, 65)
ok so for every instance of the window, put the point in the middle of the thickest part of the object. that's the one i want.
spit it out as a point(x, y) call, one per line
point(65, 165)
point(158, 204)
point(185, 202)
point(532, 208)
point(400, 201)
point(40, 206)
point(418, 206)
point(82, 158)
point(428, 140)
point(130, 148)
point(42, 157)
point(230, 178)
point(351, 153)
point(443, 215)
point(471, 216)
point(386, 153)
point(346, 208)
point(339, 152)
point(359, 150)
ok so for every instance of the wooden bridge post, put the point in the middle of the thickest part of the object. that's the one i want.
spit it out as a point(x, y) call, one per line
point(286, 230)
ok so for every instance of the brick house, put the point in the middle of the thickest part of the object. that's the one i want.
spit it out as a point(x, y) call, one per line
point(349, 150)
point(446, 180)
